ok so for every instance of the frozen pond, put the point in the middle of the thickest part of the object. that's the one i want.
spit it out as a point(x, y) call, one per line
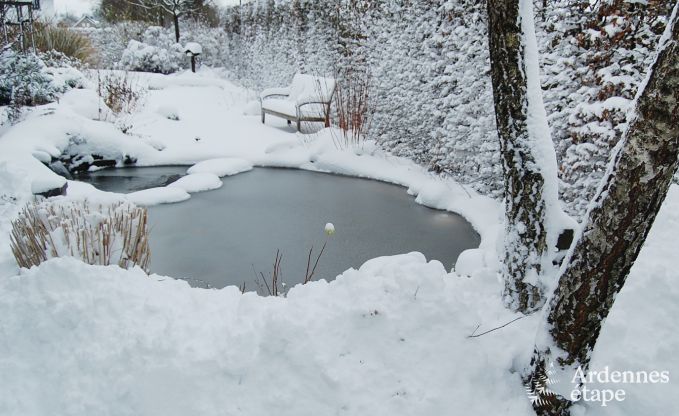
point(222, 237)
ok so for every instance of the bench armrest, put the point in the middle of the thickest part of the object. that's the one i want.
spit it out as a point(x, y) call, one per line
point(275, 92)
point(326, 107)
point(311, 99)
point(301, 104)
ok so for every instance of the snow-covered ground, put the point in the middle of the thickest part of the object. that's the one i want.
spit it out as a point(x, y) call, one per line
point(389, 338)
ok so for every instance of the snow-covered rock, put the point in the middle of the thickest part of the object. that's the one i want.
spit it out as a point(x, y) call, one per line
point(48, 186)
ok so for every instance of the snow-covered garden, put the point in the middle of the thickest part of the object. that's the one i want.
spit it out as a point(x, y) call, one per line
point(88, 326)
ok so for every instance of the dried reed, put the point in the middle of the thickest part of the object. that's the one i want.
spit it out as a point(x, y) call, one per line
point(96, 234)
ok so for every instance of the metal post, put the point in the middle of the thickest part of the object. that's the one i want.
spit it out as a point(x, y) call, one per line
point(30, 18)
point(3, 16)
point(20, 19)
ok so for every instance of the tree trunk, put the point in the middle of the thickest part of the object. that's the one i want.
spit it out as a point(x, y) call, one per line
point(175, 19)
point(528, 158)
point(619, 220)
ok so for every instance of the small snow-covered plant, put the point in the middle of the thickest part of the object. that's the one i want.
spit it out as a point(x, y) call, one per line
point(96, 234)
point(120, 93)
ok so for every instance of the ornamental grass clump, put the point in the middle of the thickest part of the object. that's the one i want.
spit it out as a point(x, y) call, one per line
point(96, 234)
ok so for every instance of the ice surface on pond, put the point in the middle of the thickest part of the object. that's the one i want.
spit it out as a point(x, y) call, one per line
point(228, 236)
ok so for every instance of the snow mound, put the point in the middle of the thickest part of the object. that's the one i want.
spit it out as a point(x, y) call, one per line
point(86, 103)
point(387, 339)
point(221, 167)
point(252, 108)
point(168, 111)
point(469, 261)
point(155, 196)
point(197, 182)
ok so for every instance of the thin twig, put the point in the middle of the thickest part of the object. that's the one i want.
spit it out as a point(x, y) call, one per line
point(308, 277)
point(494, 329)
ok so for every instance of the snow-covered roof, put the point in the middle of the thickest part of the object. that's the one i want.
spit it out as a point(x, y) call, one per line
point(86, 22)
point(193, 48)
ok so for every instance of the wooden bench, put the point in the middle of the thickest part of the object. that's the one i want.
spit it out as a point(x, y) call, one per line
point(308, 98)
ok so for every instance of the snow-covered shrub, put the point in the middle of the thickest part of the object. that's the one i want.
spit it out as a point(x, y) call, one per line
point(110, 41)
point(212, 40)
point(67, 77)
point(55, 59)
point(96, 234)
point(147, 58)
point(24, 80)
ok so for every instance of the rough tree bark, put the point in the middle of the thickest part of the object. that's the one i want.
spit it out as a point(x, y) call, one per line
point(528, 158)
point(619, 220)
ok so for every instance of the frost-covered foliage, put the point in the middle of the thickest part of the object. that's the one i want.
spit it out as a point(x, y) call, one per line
point(426, 62)
point(594, 58)
point(143, 57)
point(156, 52)
point(111, 41)
point(96, 234)
point(467, 146)
point(154, 48)
point(24, 80)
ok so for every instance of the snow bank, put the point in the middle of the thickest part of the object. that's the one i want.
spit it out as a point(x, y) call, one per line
point(155, 196)
point(388, 339)
point(221, 167)
point(252, 108)
point(197, 182)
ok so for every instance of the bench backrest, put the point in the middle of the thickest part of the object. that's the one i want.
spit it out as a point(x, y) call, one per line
point(312, 88)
